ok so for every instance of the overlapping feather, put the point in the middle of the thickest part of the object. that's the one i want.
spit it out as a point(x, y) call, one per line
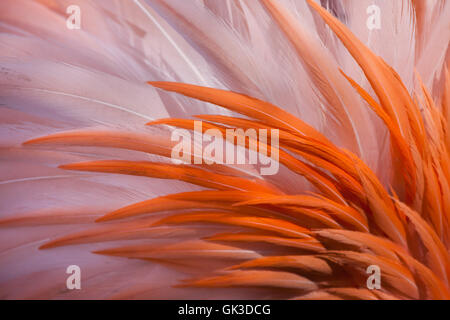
point(306, 246)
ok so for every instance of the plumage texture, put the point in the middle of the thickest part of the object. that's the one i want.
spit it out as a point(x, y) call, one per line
point(364, 128)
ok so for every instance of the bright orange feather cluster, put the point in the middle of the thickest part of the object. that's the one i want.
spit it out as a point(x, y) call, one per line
point(324, 241)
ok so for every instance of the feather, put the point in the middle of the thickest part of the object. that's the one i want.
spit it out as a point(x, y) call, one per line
point(158, 170)
point(309, 244)
point(364, 149)
point(275, 279)
point(182, 251)
point(306, 264)
point(273, 225)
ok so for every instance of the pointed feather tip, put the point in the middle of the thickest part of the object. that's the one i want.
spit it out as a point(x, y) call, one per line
point(69, 166)
point(190, 282)
point(60, 242)
point(160, 84)
point(205, 117)
point(108, 252)
point(57, 138)
point(108, 217)
point(314, 5)
point(232, 268)
point(34, 141)
point(100, 252)
point(157, 122)
point(114, 215)
point(160, 222)
point(247, 203)
point(83, 165)
point(50, 244)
